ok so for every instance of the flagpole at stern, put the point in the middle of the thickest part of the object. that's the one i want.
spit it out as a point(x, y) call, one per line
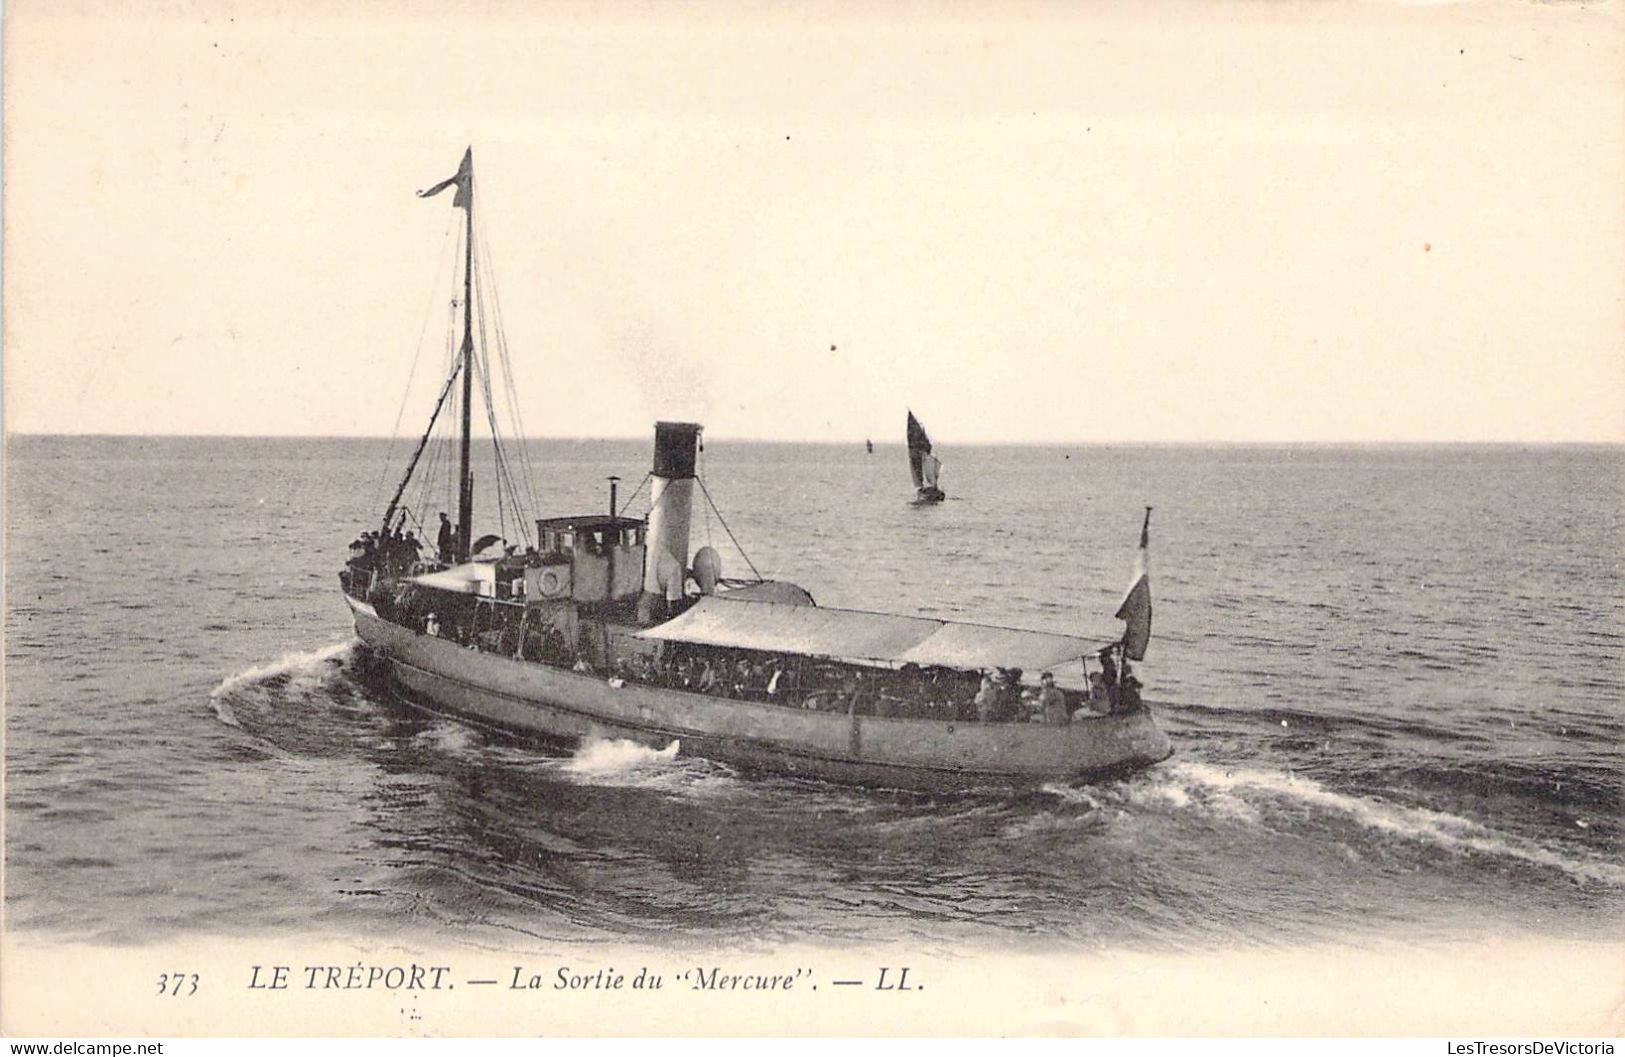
point(1135, 611)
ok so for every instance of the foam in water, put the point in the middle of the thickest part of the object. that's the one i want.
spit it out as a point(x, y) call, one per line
point(613, 755)
point(1439, 828)
point(1180, 792)
point(309, 667)
point(616, 762)
point(449, 737)
point(222, 710)
point(1042, 824)
point(1070, 794)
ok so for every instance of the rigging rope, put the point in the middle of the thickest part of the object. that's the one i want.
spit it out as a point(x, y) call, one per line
point(389, 513)
point(417, 353)
point(504, 472)
point(724, 523)
point(484, 369)
point(699, 464)
point(527, 470)
point(430, 471)
point(442, 439)
point(441, 456)
point(635, 492)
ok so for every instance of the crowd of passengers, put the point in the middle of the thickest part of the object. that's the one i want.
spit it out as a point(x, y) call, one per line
point(389, 554)
point(911, 692)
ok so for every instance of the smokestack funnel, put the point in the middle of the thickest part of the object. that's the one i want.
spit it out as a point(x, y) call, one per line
point(671, 508)
point(676, 449)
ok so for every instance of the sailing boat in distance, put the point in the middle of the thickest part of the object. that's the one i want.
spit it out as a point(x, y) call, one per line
point(923, 465)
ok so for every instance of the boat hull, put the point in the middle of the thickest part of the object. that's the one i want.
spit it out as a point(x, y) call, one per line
point(554, 704)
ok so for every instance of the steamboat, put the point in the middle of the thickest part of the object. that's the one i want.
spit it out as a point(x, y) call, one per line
point(608, 626)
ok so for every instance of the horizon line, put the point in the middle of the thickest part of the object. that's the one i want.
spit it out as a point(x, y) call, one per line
point(1096, 443)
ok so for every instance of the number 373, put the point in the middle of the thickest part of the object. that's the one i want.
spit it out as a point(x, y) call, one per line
point(177, 983)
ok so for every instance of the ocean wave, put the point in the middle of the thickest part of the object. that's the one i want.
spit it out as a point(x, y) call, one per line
point(1078, 807)
point(301, 670)
point(1046, 823)
point(1170, 790)
point(1234, 792)
point(222, 710)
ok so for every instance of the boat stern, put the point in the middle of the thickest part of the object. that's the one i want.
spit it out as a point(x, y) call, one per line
point(1111, 746)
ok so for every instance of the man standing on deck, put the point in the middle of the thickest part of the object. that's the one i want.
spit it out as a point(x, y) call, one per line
point(1108, 668)
point(987, 700)
point(445, 542)
point(1053, 702)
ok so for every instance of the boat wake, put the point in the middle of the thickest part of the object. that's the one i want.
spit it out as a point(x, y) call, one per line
point(222, 710)
point(300, 670)
point(598, 756)
point(297, 673)
point(450, 738)
point(1071, 794)
point(1258, 797)
point(626, 763)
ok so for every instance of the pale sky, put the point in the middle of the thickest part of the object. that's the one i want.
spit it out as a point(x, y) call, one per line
point(1028, 222)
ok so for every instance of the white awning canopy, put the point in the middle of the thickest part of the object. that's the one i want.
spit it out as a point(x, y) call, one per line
point(955, 645)
point(850, 635)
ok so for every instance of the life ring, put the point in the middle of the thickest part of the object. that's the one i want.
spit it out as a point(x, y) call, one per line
point(551, 582)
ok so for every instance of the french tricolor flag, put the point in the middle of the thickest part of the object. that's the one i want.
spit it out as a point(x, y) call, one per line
point(1135, 611)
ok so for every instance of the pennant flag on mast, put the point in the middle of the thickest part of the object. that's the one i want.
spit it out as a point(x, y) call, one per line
point(1135, 611)
point(465, 175)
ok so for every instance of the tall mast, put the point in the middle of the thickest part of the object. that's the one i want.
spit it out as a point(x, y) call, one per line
point(463, 181)
point(465, 495)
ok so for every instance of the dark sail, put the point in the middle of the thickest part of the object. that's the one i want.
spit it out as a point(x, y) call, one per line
point(918, 445)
